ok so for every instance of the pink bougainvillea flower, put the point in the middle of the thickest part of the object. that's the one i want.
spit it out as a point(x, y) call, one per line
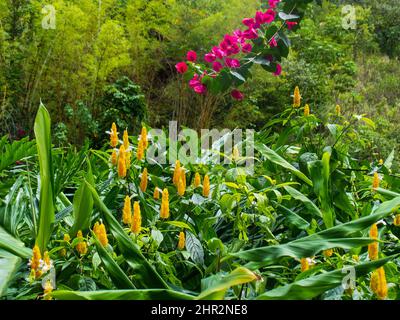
point(278, 70)
point(250, 34)
point(230, 45)
point(259, 19)
point(200, 89)
point(237, 95)
point(218, 52)
point(273, 43)
point(210, 57)
point(249, 22)
point(181, 67)
point(269, 16)
point(273, 3)
point(191, 56)
point(247, 47)
point(232, 63)
point(217, 66)
point(291, 24)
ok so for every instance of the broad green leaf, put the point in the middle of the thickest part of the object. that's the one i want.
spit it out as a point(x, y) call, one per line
point(277, 159)
point(83, 204)
point(315, 285)
point(46, 203)
point(13, 245)
point(220, 284)
point(313, 209)
point(10, 153)
point(180, 224)
point(293, 218)
point(8, 266)
point(146, 294)
point(120, 279)
point(144, 274)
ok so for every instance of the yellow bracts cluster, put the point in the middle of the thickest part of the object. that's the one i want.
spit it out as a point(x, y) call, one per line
point(378, 283)
point(99, 230)
point(296, 97)
point(177, 169)
point(136, 225)
point(164, 209)
point(373, 248)
point(81, 247)
point(206, 186)
point(48, 288)
point(127, 211)
point(122, 162)
point(143, 180)
point(126, 139)
point(375, 181)
point(328, 253)
point(142, 145)
point(182, 241)
point(113, 135)
point(114, 158)
point(156, 194)
point(338, 110)
point(396, 220)
point(181, 186)
point(35, 262)
point(304, 264)
point(197, 180)
point(380, 162)
point(306, 110)
point(67, 239)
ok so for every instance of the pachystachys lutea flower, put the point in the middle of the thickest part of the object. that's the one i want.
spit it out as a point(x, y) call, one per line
point(81, 247)
point(373, 248)
point(122, 162)
point(378, 283)
point(67, 239)
point(113, 135)
point(114, 158)
point(99, 230)
point(140, 150)
point(328, 253)
point(136, 225)
point(306, 110)
point(48, 288)
point(304, 264)
point(127, 211)
point(143, 137)
point(156, 194)
point(143, 180)
point(380, 162)
point(296, 97)
point(375, 181)
point(197, 180)
point(35, 262)
point(126, 140)
point(206, 186)
point(396, 220)
point(164, 209)
point(182, 241)
point(177, 172)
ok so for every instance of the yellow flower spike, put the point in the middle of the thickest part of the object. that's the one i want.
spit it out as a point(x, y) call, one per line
point(328, 253)
point(128, 155)
point(164, 209)
point(48, 288)
point(46, 258)
point(182, 175)
point(296, 97)
point(181, 187)
point(380, 162)
point(101, 234)
point(206, 186)
point(375, 181)
point(304, 264)
point(140, 150)
point(127, 211)
point(67, 238)
point(81, 247)
point(156, 194)
point(374, 282)
point(143, 137)
point(126, 139)
point(121, 162)
point(382, 289)
point(143, 180)
point(235, 153)
point(114, 135)
point(373, 248)
point(182, 241)
point(114, 159)
point(35, 261)
point(197, 179)
point(136, 225)
point(338, 110)
point(177, 169)
point(306, 110)
point(396, 220)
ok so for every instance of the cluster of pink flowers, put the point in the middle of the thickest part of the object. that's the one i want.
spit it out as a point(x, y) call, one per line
point(222, 56)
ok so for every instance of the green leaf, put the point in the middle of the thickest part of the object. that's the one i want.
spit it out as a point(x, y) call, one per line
point(13, 245)
point(46, 204)
point(293, 218)
point(277, 159)
point(120, 279)
point(8, 267)
point(313, 286)
point(147, 294)
point(195, 248)
point(15, 151)
point(144, 274)
point(217, 285)
point(313, 209)
point(83, 204)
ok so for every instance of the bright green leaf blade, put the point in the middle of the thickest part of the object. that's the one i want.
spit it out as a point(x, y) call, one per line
point(46, 204)
point(312, 208)
point(13, 245)
point(8, 266)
